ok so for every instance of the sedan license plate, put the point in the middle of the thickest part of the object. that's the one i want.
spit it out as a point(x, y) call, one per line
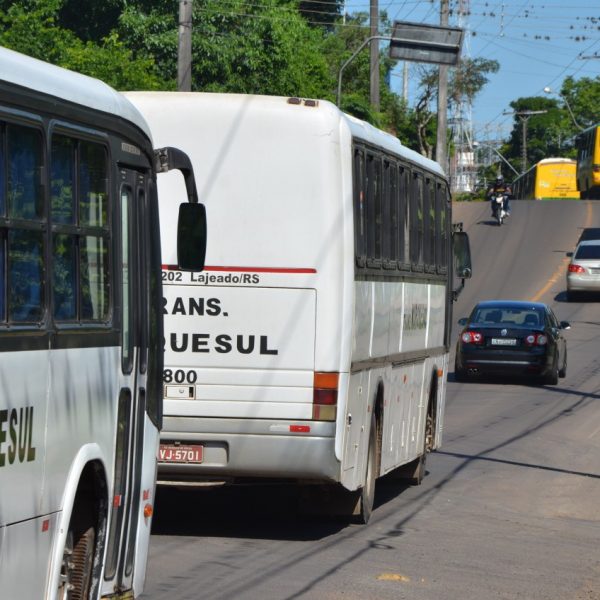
point(504, 342)
point(180, 454)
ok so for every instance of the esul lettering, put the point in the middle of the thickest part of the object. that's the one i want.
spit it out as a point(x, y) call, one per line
point(223, 343)
point(20, 432)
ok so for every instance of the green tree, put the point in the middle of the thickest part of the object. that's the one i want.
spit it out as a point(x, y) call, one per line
point(264, 48)
point(550, 134)
point(553, 133)
point(583, 96)
point(465, 81)
point(323, 14)
point(33, 27)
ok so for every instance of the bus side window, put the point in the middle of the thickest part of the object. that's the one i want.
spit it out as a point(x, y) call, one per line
point(416, 221)
point(93, 214)
point(2, 228)
point(404, 217)
point(441, 225)
point(429, 225)
point(360, 234)
point(389, 228)
point(78, 186)
point(374, 212)
point(25, 245)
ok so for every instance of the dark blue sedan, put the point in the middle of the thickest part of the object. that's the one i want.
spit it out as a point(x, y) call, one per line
point(507, 337)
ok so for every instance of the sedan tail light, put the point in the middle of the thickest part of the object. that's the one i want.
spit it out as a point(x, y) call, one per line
point(536, 339)
point(472, 337)
point(576, 269)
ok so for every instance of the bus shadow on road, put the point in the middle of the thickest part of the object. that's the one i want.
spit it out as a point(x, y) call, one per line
point(255, 512)
point(274, 512)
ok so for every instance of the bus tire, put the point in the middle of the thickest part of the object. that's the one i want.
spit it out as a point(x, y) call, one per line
point(366, 497)
point(420, 465)
point(78, 554)
point(414, 472)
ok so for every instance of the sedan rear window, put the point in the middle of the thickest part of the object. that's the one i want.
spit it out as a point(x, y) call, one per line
point(527, 317)
point(591, 251)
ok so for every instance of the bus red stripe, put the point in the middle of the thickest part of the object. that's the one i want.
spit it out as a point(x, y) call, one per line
point(248, 269)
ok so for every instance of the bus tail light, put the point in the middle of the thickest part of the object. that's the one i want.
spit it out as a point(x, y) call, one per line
point(325, 393)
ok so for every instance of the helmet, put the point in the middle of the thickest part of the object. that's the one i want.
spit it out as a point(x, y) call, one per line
point(499, 180)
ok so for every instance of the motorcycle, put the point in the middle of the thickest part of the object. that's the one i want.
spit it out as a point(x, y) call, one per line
point(498, 208)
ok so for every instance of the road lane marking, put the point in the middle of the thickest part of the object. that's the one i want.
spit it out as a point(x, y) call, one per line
point(558, 273)
point(565, 261)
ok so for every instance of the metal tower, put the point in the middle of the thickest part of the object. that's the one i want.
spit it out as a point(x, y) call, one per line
point(463, 168)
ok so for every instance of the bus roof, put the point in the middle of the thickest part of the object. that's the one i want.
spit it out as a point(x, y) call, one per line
point(369, 133)
point(190, 101)
point(57, 82)
point(546, 161)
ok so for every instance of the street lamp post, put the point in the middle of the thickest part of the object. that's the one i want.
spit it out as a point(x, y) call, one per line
point(417, 42)
point(368, 40)
point(549, 90)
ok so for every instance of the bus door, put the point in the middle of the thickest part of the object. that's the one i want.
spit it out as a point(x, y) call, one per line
point(132, 266)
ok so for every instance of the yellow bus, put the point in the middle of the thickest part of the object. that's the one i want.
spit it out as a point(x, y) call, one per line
point(588, 163)
point(549, 179)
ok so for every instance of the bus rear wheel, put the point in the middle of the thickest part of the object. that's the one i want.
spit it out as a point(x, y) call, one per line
point(78, 554)
point(414, 472)
point(367, 493)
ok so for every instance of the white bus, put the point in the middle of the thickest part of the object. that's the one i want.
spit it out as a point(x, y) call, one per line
point(80, 332)
point(314, 346)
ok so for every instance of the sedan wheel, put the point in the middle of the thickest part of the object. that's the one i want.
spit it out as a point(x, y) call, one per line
point(563, 372)
point(460, 375)
point(552, 377)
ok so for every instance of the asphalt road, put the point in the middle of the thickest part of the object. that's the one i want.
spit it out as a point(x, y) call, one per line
point(510, 508)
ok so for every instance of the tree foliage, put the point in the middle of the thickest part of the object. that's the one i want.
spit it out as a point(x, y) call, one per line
point(465, 81)
point(322, 14)
point(277, 47)
point(34, 28)
point(552, 134)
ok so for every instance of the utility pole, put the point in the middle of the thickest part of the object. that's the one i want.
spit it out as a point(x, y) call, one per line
point(442, 124)
point(374, 21)
point(184, 54)
point(524, 116)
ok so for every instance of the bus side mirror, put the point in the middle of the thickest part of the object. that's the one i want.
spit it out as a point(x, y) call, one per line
point(191, 236)
point(462, 255)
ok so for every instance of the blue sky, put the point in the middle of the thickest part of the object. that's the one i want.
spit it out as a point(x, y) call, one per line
point(537, 43)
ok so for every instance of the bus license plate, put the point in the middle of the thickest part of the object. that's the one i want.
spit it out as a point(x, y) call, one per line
point(180, 454)
point(504, 342)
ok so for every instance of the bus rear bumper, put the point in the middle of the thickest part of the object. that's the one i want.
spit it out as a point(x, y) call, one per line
point(238, 449)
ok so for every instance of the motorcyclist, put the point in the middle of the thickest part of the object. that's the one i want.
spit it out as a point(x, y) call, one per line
point(499, 187)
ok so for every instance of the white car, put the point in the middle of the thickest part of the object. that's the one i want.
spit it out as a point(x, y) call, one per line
point(583, 274)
